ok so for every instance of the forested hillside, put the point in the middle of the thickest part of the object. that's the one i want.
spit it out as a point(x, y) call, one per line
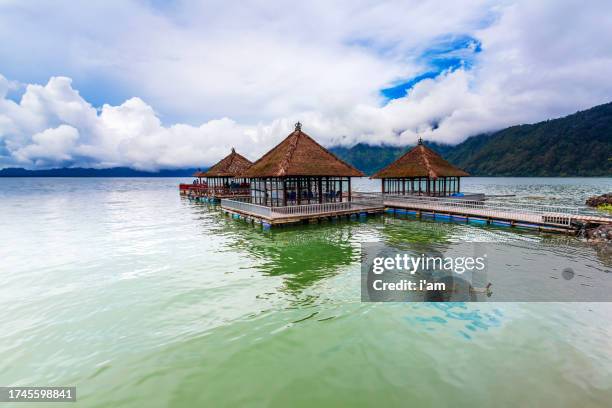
point(576, 145)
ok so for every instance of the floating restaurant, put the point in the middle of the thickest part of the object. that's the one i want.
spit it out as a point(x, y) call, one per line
point(222, 179)
point(300, 171)
point(300, 180)
point(421, 171)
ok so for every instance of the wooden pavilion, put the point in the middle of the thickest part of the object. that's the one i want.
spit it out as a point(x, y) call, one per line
point(223, 179)
point(421, 171)
point(226, 171)
point(300, 171)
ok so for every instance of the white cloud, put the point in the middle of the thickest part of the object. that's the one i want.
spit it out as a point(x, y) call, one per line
point(250, 60)
point(4, 86)
point(50, 146)
point(67, 130)
point(248, 72)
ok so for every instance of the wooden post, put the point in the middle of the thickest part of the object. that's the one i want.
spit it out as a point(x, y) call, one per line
point(349, 189)
point(320, 187)
point(265, 190)
point(458, 184)
point(403, 186)
point(284, 192)
point(383, 185)
point(299, 190)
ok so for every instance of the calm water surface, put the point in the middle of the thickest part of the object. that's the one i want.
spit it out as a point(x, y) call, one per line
point(141, 298)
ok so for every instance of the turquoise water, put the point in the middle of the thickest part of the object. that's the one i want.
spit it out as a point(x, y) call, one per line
point(141, 298)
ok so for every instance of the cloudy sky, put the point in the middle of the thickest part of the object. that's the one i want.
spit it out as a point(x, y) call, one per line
point(166, 84)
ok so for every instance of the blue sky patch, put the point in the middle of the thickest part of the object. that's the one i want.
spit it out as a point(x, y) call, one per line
point(448, 54)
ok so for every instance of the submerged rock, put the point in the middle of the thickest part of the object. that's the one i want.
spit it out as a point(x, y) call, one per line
point(602, 233)
point(596, 201)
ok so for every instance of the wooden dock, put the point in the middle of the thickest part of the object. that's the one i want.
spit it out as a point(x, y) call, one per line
point(466, 209)
point(269, 216)
point(495, 212)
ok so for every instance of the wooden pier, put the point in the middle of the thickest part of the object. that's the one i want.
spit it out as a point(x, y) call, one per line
point(270, 216)
point(494, 212)
point(465, 210)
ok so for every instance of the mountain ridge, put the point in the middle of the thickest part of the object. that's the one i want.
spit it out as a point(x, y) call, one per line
point(579, 144)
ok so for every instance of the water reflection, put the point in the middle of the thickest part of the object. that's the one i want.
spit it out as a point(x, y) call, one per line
point(400, 232)
point(306, 254)
point(301, 255)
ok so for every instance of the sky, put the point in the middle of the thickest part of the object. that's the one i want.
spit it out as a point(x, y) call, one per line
point(173, 84)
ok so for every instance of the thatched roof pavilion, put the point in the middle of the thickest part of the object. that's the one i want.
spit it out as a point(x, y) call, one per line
point(227, 170)
point(300, 171)
point(421, 171)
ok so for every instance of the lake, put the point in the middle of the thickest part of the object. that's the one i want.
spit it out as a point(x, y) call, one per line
point(139, 297)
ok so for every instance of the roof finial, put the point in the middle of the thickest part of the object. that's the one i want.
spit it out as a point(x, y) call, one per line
point(233, 150)
point(298, 127)
point(420, 140)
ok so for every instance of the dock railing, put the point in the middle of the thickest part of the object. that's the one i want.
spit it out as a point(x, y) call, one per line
point(309, 209)
point(193, 187)
point(225, 191)
point(331, 207)
point(218, 191)
point(245, 205)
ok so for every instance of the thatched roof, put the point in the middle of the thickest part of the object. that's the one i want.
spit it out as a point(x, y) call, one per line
point(231, 165)
point(420, 161)
point(300, 155)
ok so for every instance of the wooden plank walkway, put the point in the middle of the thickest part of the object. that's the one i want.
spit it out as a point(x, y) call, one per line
point(513, 213)
point(466, 209)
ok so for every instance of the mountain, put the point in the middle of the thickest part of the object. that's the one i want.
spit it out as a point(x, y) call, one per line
point(81, 172)
point(370, 159)
point(576, 145)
